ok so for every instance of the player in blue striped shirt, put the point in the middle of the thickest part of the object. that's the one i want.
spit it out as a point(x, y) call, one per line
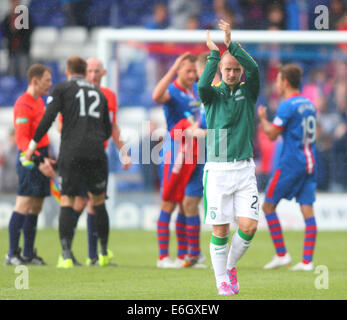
point(294, 174)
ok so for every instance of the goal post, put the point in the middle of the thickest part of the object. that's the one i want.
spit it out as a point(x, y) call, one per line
point(107, 36)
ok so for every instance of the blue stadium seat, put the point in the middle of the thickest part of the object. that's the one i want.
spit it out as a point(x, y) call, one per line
point(10, 89)
point(133, 12)
point(46, 12)
point(99, 13)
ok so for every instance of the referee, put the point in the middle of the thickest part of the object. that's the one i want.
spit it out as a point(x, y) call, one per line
point(82, 159)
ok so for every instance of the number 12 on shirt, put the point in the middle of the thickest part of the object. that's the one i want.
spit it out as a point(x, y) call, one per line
point(92, 107)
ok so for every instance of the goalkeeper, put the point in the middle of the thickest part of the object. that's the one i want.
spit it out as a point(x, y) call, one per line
point(33, 180)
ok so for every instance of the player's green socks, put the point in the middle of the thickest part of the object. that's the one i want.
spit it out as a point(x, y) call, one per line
point(219, 249)
point(239, 245)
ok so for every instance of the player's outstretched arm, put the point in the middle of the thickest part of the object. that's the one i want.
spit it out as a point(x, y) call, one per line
point(160, 94)
point(205, 88)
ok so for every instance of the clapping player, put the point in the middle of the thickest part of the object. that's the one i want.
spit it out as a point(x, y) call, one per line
point(230, 189)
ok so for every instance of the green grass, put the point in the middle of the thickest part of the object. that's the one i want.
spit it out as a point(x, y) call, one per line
point(137, 278)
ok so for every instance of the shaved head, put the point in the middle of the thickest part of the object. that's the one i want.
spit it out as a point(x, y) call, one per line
point(95, 70)
point(231, 69)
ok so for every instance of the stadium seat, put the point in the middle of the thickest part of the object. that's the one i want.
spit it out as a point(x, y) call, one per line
point(132, 116)
point(74, 35)
point(70, 42)
point(44, 41)
point(47, 13)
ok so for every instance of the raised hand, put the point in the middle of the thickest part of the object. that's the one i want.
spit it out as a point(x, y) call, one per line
point(179, 60)
point(210, 44)
point(261, 112)
point(225, 26)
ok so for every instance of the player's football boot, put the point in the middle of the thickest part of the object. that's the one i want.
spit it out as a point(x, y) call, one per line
point(178, 263)
point(65, 263)
point(302, 267)
point(15, 259)
point(165, 263)
point(75, 261)
point(225, 290)
point(235, 286)
point(105, 260)
point(279, 261)
point(195, 261)
point(92, 262)
point(34, 260)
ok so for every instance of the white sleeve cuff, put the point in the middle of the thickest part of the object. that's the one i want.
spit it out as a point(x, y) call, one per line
point(32, 145)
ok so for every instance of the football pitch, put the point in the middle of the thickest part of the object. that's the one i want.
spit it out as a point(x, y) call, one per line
point(137, 278)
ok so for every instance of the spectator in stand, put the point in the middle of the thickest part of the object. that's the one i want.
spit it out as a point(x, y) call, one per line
point(317, 87)
point(253, 11)
point(157, 63)
point(342, 26)
point(181, 10)
point(18, 42)
point(159, 19)
point(266, 149)
point(338, 101)
point(8, 177)
point(221, 10)
point(75, 11)
point(336, 12)
point(276, 16)
point(193, 23)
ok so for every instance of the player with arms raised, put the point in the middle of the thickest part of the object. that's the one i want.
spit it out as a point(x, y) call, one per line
point(294, 175)
point(230, 189)
point(181, 181)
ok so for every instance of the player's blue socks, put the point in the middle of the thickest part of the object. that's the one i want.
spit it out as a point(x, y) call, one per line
point(276, 233)
point(92, 236)
point(14, 228)
point(182, 244)
point(29, 232)
point(310, 239)
point(193, 235)
point(163, 234)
